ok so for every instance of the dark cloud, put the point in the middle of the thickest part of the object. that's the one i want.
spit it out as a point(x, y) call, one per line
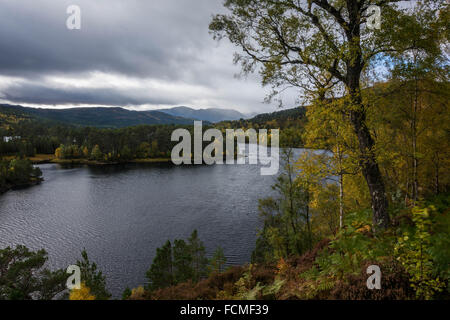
point(44, 95)
point(144, 38)
point(163, 40)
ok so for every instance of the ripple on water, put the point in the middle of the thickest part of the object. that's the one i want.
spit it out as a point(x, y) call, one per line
point(122, 214)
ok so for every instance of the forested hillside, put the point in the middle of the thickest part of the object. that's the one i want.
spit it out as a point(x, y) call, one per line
point(212, 115)
point(291, 123)
point(95, 117)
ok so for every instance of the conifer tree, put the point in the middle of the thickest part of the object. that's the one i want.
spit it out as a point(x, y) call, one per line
point(199, 260)
point(160, 274)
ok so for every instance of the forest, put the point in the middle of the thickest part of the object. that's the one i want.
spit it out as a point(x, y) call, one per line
point(71, 142)
point(377, 100)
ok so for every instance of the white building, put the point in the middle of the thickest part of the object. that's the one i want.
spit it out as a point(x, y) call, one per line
point(8, 139)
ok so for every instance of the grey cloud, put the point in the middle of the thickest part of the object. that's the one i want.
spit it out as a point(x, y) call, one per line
point(163, 40)
point(41, 94)
point(133, 37)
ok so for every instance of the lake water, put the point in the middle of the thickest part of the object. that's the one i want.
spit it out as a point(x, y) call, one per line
point(121, 214)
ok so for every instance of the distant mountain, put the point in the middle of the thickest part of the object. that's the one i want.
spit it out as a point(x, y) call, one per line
point(212, 115)
point(282, 115)
point(96, 117)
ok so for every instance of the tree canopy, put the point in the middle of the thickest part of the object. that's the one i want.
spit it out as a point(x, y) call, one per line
point(325, 48)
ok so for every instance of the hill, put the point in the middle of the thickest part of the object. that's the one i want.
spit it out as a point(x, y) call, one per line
point(283, 115)
point(95, 117)
point(212, 115)
point(294, 117)
point(291, 123)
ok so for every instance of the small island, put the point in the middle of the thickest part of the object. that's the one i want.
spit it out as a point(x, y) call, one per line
point(18, 173)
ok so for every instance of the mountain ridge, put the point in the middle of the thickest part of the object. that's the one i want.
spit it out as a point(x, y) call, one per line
point(118, 117)
point(213, 115)
point(102, 117)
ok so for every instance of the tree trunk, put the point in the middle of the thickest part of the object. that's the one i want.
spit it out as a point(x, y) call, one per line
point(371, 170)
point(357, 113)
point(368, 162)
point(308, 223)
point(436, 173)
point(341, 188)
point(341, 201)
point(291, 201)
point(414, 139)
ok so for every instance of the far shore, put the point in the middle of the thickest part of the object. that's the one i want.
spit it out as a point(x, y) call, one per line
point(50, 158)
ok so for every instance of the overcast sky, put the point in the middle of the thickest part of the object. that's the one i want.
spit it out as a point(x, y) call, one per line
point(140, 54)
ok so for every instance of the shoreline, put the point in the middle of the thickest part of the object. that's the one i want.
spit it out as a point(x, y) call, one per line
point(10, 187)
point(46, 159)
point(51, 159)
point(103, 163)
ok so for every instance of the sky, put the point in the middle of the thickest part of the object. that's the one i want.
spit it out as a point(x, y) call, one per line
point(138, 54)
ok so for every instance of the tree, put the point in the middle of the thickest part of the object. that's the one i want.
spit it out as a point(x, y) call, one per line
point(75, 151)
point(96, 153)
point(326, 129)
point(93, 278)
point(126, 293)
point(218, 260)
point(178, 263)
point(143, 151)
point(413, 252)
point(23, 276)
point(137, 294)
point(160, 274)
point(84, 293)
point(416, 93)
point(85, 152)
point(18, 172)
point(154, 148)
point(125, 153)
point(323, 42)
point(287, 218)
point(314, 171)
point(59, 152)
point(199, 260)
point(182, 261)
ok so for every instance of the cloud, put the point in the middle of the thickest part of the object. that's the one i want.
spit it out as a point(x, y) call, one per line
point(31, 93)
point(127, 53)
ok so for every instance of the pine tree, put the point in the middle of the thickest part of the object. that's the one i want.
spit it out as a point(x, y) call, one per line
point(199, 260)
point(160, 274)
point(92, 277)
point(217, 262)
point(182, 261)
point(23, 276)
